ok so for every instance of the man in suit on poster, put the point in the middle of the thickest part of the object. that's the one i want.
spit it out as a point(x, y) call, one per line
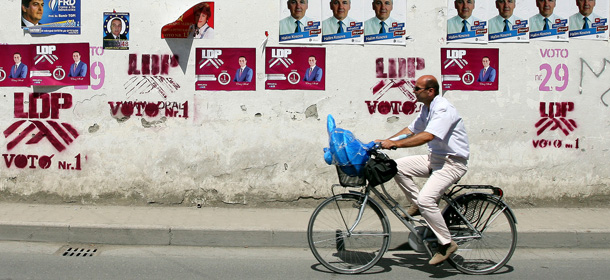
point(244, 73)
point(313, 72)
point(340, 21)
point(505, 19)
point(585, 16)
point(31, 12)
point(545, 19)
point(382, 21)
point(296, 22)
point(116, 26)
point(19, 70)
point(464, 19)
point(488, 73)
point(79, 68)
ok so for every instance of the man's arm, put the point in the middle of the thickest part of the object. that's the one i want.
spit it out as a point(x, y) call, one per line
point(83, 70)
point(413, 141)
point(24, 72)
point(318, 75)
point(492, 75)
point(249, 75)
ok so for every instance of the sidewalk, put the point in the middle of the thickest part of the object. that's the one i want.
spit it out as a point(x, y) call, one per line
point(255, 227)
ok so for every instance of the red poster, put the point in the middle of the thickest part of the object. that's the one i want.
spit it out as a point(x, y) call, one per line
point(470, 69)
point(225, 69)
point(295, 68)
point(196, 23)
point(15, 65)
point(60, 64)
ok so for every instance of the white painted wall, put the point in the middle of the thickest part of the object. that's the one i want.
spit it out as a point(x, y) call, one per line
point(255, 147)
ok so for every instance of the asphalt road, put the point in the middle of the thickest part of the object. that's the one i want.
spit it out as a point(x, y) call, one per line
point(21, 260)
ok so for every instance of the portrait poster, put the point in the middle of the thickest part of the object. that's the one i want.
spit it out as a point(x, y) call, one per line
point(15, 65)
point(295, 68)
point(548, 20)
point(507, 22)
point(595, 26)
point(225, 69)
point(51, 17)
point(60, 64)
point(470, 69)
point(342, 22)
point(195, 23)
point(116, 31)
point(466, 20)
point(300, 21)
point(385, 22)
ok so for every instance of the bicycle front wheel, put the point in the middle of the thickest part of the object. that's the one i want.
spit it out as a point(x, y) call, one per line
point(489, 251)
point(340, 250)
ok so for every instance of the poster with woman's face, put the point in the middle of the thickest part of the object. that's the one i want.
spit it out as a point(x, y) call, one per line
point(196, 23)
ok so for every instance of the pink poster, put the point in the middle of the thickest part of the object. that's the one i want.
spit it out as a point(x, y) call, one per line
point(225, 69)
point(15, 65)
point(60, 64)
point(295, 68)
point(470, 69)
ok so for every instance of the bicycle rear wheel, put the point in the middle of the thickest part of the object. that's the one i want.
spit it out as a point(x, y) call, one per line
point(332, 244)
point(489, 252)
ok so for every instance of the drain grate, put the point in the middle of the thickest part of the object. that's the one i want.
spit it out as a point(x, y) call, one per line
point(78, 251)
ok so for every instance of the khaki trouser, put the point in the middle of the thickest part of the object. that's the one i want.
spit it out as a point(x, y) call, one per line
point(443, 171)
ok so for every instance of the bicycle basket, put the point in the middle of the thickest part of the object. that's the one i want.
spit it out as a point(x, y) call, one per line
point(347, 180)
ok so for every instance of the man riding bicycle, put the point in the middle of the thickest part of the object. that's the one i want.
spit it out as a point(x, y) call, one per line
point(440, 126)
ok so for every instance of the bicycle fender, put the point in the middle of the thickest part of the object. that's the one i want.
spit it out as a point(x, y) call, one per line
point(463, 197)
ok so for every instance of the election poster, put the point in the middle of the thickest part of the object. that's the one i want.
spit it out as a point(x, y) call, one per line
point(116, 31)
point(470, 69)
point(15, 63)
point(51, 16)
point(300, 21)
point(385, 22)
point(60, 64)
point(225, 69)
point(589, 19)
point(295, 68)
point(548, 20)
point(343, 22)
point(196, 23)
point(466, 21)
point(507, 21)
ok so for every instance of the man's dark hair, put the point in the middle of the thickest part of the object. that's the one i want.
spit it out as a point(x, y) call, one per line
point(17, 53)
point(433, 84)
point(25, 3)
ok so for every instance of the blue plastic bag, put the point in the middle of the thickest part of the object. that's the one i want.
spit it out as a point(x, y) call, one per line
point(345, 150)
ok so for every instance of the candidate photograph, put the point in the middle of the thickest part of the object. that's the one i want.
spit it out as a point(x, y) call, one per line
point(464, 20)
point(340, 19)
point(200, 29)
point(243, 73)
point(297, 20)
point(488, 73)
point(382, 21)
point(313, 72)
point(31, 12)
point(18, 70)
point(505, 19)
point(116, 27)
point(546, 16)
point(585, 16)
point(78, 68)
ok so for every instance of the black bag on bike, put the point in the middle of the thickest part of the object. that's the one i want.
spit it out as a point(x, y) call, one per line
point(380, 169)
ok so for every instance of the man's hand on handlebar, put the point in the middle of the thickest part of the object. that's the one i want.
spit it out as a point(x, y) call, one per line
point(386, 144)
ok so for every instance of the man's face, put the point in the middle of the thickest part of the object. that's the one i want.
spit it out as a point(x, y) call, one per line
point(17, 58)
point(505, 8)
point(33, 13)
point(116, 27)
point(312, 61)
point(585, 7)
point(422, 94)
point(76, 57)
point(297, 8)
point(545, 7)
point(464, 8)
point(383, 8)
point(242, 62)
point(485, 62)
point(340, 8)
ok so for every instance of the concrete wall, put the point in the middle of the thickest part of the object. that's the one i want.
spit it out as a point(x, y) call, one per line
point(265, 147)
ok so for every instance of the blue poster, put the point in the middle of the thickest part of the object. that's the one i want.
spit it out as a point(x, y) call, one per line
point(51, 16)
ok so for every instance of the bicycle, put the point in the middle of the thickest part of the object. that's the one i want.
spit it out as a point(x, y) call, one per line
point(349, 232)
